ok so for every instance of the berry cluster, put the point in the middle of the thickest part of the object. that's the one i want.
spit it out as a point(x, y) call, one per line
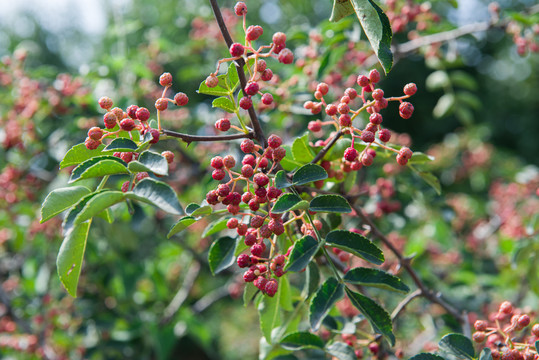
point(504, 334)
point(402, 15)
point(342, 117)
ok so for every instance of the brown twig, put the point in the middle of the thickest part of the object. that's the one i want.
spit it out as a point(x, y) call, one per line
point(408, 299)
point(199, 138)
point(326, 148)
point(259, 133)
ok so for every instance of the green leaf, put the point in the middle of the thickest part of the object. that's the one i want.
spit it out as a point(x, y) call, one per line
point(157, 193)
point(285, 294)
point(444, 106)
point(122, 145)
point(457, 345)
point(420, 158)
point(270, 315)
point(469, 99)
point(232, 76)
point(308, 173)
point(79, 153)
point(463, 80)
point(302, 340)
point(221, 254)
point(69, 220)
point(99, 166)
point(377, 316)
point(301, 150)
point(537, 346)
point(429, 178)
point(302, 253)
point(330, 203)
point(61, 199)
point(341, 9)
point(437, 80)
point(215, 227)
point(281, 181)
point(191, 208)
point(285, 203)
point(426, 356)
point(97, 204)
point(149, 161)
point(202, 211)
point(215, 91)
point(377, 28)
point(376, 278)
point(325, 298)
point(341, 351)
point(181, 225)
point(356, 244)
point(249, 292)
point(70, 257)
point(224, 103)
point(486, 354)
point(312, 280)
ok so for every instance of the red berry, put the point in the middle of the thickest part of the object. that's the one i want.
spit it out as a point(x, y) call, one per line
point(376, 118)
point(125, 186)
point(218, 174)
point(523, 321)
point(92, 144)
point(374, 348)
point(242, 229)
point(246, 197)
point(261, 179)
point(257, 250)
point(223, 190)
point(105, 103)
point(410, 89)
point(480, 325)
point(265, 232)
point(315, 126)
point(212, 197)
point(141, 175)
point(345, 120)
point(261, 65)
point(279, 38)
point(362, 81)
point(381, 104)
point(222, 124)
point(243, 260)
point(274, 193)
point(247, 146)
point(279, 154)
point(506, 307)
point(384, 135)
point(345, 99)
point(267, 99)
point(127, 124)
point(276, 226)
point(401, 160)
point(232, 224)
point(109, 119)
point(236, 49)
point(350, 154)
point(266, 75)
point(211, 81)
point(323, 88)
point(257, 221)
point(367, 89)
point(240, 8)
point(351, 93)
point(367, 136)
point(168, 155)
point(331, 109)
point(217, 162)
point(95, 133)
point(406, 110)
point(479, 337)
point(271, 287)
point(249, 276)
point(165, 79)
point(254, 205)
point(274, 141)
point(260, 282)
point(249, 160)
point(535, 330)
point(286, 56)
point(132, 111)
point(367, 159)
point(378, 94)
point(126, 156)
point(229, 161)
point(405, 152)
point(374, 76)
point(142, 114)
point(155, 136)
point(252, 88)
point(253, 32)
point(181, 99)
point(343, 108)
point(246, 102)
point(233, 209)
point(247, 171)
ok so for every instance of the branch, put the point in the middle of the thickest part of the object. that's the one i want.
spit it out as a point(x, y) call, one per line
point(199, 138)
point(400, 307)
point(182, 294)
point(211, 298)
point(259, 133)
point(326, 148)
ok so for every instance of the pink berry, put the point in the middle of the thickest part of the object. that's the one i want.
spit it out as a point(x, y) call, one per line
point(243, 260)
point(351, 93)
point(127, 124)
point(222, 124)
point(181, 99)
point(350, 154)
point(376, 118)
point(155, 136)
point(105, 103)
point(266, 75)
point(384, 135)
point(286, 56)
point(274, 141)
point(343, 108)
point(252, 88)
point(236, 49)
point(217, 162)
point(374, 76)
point(279, 154)
point(315, 126)
point(406, 110)
point(260, 282)
point(362, 81)
point(125, 186)
point(246, 102)
point(405, 152)
point(218, 174)
point(331, 109)
point(378, 94)
point(261, 65)
point(165, 79)
point(249, 276)
point(211, 81)
point(271, 287)
point(229, 161)
point(253, 32)
point(92, 144)
point(240, 8)
point(132, 111)
point(247, 146)
point(367, 159)
point(267, 99)
point(249, 160)
point(323, 88)
point(109, 119)
point(142, 114)
point(345, 120)
point(410, 89)
point(279, 38)
point(367, 136)
point(401, 160)
point(95, 133)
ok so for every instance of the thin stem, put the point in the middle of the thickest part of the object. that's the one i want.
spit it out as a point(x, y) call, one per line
point(326, 148)
point(200, 138)
point(102, 183)
point(240, 63)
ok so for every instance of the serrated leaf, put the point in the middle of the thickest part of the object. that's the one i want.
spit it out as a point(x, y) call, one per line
point(285, 202)
point(215, 91)
point(221, 254)
point(270, 315)
point(426, 356)
point(377, 316)
point(281, 181)
point(122, 145)
point(457, 345)
point(97, 204)
point(302, 340)
point(355, 244)
point(157, 193)
point(99, 166)
point(149, 161)
point(325, 298)
point(215, 227)
point(61, 199)
point(330, 203)
point(486, 354)
point(309, 173)
point(376, 278)
point(301, 150)
point(341, 351)
point(302, 253)
point(444, 106)
point(224, 103)
point(70, 257)
point(181, 225)
point(312, 280)
point(377, 28)
point(79, 154)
